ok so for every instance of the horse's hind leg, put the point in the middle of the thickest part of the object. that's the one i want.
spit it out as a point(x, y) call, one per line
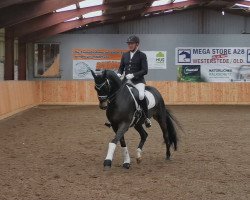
point(144, 136)
point(161, 119)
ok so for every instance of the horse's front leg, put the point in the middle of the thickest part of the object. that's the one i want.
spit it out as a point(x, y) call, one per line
point(144, 136)
point(122, 129)
point(125, 154)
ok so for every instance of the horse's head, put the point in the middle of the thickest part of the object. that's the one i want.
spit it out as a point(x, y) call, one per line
point(102, 87)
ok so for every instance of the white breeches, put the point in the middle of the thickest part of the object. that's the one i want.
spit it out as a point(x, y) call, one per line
point(140, 87)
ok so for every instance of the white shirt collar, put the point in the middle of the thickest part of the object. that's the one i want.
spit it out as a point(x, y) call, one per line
point(133, 53)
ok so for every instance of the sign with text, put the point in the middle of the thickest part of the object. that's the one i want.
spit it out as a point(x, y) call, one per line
point(217, 64)
point(85, 60)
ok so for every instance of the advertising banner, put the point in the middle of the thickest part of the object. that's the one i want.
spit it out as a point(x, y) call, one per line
point(156, 59)
point(85, 60)
point(225, 64)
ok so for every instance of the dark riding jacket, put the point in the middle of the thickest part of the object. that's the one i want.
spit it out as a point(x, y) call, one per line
point(138, 66)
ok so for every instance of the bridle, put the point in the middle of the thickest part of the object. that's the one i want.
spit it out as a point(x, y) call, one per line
point(99, 86)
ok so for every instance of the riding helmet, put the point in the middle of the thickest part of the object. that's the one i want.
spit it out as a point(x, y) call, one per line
point(133, 39)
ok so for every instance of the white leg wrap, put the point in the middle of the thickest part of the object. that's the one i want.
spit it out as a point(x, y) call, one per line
point(125, 154)
point(138, 152)
point(111, 151)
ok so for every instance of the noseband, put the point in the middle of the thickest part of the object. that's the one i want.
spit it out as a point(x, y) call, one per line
point(99, 86)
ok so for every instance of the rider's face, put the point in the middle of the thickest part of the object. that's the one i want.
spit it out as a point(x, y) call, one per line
point(132, 46)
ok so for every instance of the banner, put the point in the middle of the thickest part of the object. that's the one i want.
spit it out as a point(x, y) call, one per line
point(85, 60)
point(225, 64)
point(156, 59)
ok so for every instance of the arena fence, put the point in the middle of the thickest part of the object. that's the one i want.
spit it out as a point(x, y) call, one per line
point(16, 96)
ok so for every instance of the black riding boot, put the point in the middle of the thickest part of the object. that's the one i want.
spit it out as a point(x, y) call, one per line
point(143, 104)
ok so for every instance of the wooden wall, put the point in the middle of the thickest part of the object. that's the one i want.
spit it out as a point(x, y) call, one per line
point(174, 93)
point(16, 96)
point(68, 92)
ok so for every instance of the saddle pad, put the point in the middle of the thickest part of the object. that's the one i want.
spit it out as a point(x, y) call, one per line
point(149, 96)
point(151, 99)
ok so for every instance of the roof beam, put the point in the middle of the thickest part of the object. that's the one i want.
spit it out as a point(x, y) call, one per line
point(128, 18)
point(59, 28)
point(18, 13)
point(172, 6)
point(51, 19)
point(128, 2)
point(66, 26)
point(246, 3)
point(6, 3)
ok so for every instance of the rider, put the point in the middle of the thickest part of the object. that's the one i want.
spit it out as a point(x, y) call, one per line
point(134, 63)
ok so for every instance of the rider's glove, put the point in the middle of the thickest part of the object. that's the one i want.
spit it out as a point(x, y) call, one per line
point(129, 76)
point(119, 75)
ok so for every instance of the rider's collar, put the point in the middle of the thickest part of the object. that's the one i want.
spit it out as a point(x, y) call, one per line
point(133, 52)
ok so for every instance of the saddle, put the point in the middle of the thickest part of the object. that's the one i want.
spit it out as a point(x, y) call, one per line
point(135, 95)
point(137, 116)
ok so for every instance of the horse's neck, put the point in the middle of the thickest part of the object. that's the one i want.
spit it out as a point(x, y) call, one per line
point(121, 93)
point(115, 85)
point(114, 90)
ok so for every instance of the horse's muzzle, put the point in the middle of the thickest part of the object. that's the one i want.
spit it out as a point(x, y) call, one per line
point(103, 105)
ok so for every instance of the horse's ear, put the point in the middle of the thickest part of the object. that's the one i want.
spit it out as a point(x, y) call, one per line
point(93, 73)
point(104, 73)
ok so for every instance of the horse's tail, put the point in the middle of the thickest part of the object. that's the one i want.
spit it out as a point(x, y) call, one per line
point(172, 133)
point(171, 121)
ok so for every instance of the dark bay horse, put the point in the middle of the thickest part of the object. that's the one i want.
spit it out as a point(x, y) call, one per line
point(120, 107)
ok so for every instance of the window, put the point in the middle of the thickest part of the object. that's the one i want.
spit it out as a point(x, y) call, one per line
point(47, 60)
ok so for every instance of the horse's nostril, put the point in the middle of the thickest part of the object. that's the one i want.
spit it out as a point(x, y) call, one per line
point(103, 107)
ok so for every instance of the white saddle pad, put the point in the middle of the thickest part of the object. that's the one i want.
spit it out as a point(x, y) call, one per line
point(151, 99)
point(149, 95)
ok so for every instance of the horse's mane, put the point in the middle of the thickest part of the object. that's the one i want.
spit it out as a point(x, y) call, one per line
point(111, 75)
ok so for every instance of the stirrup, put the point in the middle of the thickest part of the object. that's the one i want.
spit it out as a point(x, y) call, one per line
point(147, 123)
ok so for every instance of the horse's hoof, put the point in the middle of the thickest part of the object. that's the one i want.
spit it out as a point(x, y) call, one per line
point(107, 163)
point(126, 165)
point(106, 168)
point(168, 158)
point(108, 124)
point(148, 123)
point(138, 160)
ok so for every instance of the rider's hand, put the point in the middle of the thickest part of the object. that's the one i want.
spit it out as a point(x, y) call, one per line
point(129, 76)
point(119, 75)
